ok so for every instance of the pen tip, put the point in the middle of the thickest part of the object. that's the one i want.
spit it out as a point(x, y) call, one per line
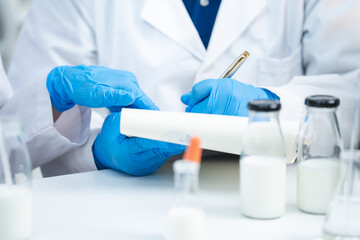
point(247, 54)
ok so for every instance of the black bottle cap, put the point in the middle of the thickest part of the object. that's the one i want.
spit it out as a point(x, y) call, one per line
point(264, 105)
point(322, 101)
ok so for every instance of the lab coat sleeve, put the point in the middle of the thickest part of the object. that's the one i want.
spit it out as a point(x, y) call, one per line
point(330, 58)
point(46, 140)
point(54, 33)
point(5, 88)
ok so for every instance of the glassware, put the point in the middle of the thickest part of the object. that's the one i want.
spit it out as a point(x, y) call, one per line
point(318, 154)
point(342, 221)
point(186, 220)
point(343, 217)
point(15, 181)
point(263, 162)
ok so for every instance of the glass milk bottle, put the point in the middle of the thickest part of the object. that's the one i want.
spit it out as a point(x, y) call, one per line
point(263, 162)
point(15, 179)
point(318, 153)
point(186, 220)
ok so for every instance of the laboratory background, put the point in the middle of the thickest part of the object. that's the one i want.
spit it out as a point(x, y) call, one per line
point(179, 119)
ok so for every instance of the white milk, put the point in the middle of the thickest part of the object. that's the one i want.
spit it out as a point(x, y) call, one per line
point(186, 223)
point(15, 213)
point(262, 186)
point(316, 183)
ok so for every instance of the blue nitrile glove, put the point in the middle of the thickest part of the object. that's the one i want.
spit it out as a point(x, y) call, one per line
point(223, 96)
point(94, 86)
point(132, 155)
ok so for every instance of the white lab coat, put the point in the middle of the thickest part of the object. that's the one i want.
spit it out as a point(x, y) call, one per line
point(45, 139)
point(5, 88)
point(298, 48)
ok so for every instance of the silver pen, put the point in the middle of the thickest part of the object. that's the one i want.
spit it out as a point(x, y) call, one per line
point(231, 70)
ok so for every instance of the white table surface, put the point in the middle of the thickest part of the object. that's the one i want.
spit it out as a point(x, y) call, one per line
point(111, 205)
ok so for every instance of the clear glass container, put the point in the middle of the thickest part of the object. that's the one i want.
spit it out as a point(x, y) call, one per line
point(263, 162)
point(342, 221)
point(15, 181)
point(318, 152)
point(186, 219)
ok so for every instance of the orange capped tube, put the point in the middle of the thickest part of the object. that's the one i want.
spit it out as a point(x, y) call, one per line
point(193, 151)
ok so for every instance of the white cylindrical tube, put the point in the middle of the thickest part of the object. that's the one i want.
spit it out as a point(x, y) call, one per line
point(217, 132)
point(15, 212)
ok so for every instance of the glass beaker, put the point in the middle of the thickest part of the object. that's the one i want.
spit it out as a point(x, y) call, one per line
point(342, 221)
point(263, 162)
point(15, 181)
point(318, 154)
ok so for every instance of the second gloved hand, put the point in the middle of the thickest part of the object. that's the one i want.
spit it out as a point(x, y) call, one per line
point(223, 96)
point(96, 87)
point(135, 156)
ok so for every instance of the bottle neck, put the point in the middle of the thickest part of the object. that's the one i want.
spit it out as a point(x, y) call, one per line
point(319, 110)
point(186, 177)
point(323, 117)
point(319, 135)
point(263, 135)
point(263, 116)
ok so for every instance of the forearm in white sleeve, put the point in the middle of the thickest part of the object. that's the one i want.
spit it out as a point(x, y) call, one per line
point(331, 60)
point(46, 140)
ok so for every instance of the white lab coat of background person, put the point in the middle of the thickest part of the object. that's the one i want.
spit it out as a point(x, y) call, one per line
point(298, 48)
point(5, 88)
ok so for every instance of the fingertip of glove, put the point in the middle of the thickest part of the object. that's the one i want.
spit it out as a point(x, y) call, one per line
point(112, 117)
point(144, 102)
point(115, 115)
point(123, 98)
point(185, 98)
point(152, 106)
point(180, 148)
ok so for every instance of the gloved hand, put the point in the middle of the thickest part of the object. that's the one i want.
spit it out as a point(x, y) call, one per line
point(223, 96)
point(135, 156)
point(95, 87)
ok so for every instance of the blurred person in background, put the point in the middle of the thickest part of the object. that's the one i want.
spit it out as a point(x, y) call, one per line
point(12, 14)
point(5, 88)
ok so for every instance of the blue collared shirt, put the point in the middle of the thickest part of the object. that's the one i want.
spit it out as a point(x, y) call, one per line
point(203, 17)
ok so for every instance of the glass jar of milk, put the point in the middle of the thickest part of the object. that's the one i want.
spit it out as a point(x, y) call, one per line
point(318, 153)
point(263, 162)
point(15, 179)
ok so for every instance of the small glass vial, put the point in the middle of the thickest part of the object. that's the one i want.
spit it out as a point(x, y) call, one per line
point(186, 220)
point(15, 181)
point(263, 163)
point(318, 153)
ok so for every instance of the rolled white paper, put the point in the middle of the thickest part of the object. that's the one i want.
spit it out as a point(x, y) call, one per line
point(217, 132)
